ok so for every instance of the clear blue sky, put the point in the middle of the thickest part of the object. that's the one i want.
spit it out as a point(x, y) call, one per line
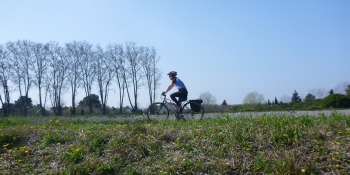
point(226, 47)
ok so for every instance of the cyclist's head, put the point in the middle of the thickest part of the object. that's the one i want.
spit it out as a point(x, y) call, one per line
point(172, 73)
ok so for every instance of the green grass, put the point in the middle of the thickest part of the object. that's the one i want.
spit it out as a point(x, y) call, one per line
point(224, 145)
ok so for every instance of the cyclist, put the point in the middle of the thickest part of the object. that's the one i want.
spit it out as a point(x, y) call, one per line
point(182, 91)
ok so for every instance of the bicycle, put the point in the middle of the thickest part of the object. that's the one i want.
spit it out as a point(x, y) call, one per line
point(191, 109)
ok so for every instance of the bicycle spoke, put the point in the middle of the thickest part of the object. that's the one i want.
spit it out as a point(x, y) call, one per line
point(157, 111)
point(193, 110)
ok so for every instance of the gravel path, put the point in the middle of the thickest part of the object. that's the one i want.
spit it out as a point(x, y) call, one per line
point(289, 113)
point(208, 115)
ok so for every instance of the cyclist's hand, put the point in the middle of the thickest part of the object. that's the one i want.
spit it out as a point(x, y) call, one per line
point(163, 93)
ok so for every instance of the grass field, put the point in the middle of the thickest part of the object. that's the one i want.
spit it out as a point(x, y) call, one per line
point(222, 145)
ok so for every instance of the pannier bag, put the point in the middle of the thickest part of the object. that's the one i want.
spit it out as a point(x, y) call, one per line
point(194, 107)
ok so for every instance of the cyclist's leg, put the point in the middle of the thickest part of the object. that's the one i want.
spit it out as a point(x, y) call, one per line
point(174, 95)
point(182, 94)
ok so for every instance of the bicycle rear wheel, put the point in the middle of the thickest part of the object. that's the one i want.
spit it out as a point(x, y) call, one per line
point(157, 111)
point(192, 110)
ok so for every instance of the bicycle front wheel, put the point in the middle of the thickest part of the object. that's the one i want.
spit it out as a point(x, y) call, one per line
point(157, 111)
point(192, 110)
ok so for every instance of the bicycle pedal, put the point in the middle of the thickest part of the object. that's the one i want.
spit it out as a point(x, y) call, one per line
point(183, 117)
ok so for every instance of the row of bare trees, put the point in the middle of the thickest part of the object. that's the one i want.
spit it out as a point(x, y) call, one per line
point(55, 69)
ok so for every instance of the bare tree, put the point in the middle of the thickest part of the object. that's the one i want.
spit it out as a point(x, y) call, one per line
point(20, 61)
point(4, 79)
point(105, 74)
point(207, 98)
point(40, 65)
point(209, 101)
point(133, 68)
point(253, 98)
point(115, 53)
point(88, 68)
point(74, 70)
point(319, 93)
point(57, 75)
point(286, 98)
point(150, 71)
point(157, 75)
point(341, 87)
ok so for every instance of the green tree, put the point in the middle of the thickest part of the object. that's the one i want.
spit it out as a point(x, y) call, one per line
point(276, 101)
point(268, 102)
point(295, 97)
point(94, 101)
point(347, 90)
point(309, 98)
point(331, 92)
point(224, 103)
point(23, 108)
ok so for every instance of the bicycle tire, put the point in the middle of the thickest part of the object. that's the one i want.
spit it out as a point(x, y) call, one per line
point(157, 111)
point(189, 113)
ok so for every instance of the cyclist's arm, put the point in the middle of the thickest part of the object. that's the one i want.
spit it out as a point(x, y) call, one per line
point(169, 87)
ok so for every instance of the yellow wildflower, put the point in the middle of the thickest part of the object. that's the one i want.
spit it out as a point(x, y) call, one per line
point(303, 170)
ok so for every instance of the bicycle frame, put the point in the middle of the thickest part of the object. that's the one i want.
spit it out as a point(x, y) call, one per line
point(169, 105)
